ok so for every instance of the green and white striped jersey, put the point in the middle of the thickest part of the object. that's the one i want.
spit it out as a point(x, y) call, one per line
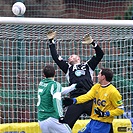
point(49, 99)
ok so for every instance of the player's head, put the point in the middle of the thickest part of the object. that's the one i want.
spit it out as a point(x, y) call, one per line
point(73, 59)
point(105, 74)
point(49, 71)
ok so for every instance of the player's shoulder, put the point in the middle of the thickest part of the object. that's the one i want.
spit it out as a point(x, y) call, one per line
point(52, 82)
point(57, 83)
point(96, 86)
point(113, 89)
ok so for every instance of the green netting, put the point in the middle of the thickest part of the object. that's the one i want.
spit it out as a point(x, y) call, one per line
point(24, 50)
point(111, 9)
point(23, 55)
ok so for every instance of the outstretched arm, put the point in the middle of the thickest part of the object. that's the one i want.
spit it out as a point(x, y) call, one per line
point(94, 61)
point(63, 65)
point(66, 90)
point(80, 99)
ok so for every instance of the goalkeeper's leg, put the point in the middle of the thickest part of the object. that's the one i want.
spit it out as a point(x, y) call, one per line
point(111, 129)
point(74, 112)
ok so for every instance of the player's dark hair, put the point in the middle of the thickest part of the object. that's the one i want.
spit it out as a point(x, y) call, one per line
point(108, 74)
point(49, 71)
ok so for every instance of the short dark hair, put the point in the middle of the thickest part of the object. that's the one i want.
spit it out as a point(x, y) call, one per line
point(108, 74)
point(49, 71)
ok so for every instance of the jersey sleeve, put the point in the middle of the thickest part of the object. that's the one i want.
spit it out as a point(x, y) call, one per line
point(63, 65)
point(57, 102)
point(116, 99)
point(86, 97)
point(94, 61)
point(66, 90)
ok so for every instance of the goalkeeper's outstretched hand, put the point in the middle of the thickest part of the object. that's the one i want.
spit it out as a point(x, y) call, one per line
point(87, 39)
point(67, 101)
point(51, 34)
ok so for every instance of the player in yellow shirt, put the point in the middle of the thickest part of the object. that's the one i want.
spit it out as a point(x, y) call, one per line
point(107, 103)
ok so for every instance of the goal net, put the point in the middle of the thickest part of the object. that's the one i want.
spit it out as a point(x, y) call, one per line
point(24, 51)
point(87, 9)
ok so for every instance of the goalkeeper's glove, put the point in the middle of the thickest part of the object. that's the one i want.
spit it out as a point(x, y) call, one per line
point(61, 120)
point(101, 113)
point(87, 39)
point(69, 101)
point(51, 35)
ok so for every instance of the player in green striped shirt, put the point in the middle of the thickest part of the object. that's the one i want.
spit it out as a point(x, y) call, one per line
point(50, 111)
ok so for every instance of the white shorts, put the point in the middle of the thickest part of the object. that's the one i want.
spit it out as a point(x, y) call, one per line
point(52, 125)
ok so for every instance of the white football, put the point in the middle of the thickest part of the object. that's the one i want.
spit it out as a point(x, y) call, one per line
point(18, 8)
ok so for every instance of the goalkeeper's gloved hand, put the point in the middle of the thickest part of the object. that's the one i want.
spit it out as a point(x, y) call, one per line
point(87, 39)
point(61, 120)
point(51, 35)
point(68, 101)
point(101, 113)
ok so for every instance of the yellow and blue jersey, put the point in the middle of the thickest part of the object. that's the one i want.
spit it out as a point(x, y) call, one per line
point(106, 98)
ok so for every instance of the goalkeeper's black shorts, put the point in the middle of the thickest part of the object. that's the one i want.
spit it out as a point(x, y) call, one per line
point(75, 111)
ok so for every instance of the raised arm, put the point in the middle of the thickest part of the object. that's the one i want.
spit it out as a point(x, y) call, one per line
point(94, 61)
point(63, 65)
point(66, 90)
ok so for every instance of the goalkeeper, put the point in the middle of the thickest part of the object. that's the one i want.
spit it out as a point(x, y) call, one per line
point(107, 103)
point(77, 73)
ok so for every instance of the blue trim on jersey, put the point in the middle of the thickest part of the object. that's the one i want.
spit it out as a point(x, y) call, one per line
point(96, 127)
point(107, 113)
point(74, 100)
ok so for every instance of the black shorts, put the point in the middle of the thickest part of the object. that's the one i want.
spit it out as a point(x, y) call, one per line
point(75, 111)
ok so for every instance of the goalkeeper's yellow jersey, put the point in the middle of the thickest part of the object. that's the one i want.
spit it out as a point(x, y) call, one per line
point(106, 98)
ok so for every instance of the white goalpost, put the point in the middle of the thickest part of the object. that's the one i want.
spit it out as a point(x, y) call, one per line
point(24, 51)
point(63, 21)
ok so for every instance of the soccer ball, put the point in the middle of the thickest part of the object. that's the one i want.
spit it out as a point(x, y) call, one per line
point(18, 8)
